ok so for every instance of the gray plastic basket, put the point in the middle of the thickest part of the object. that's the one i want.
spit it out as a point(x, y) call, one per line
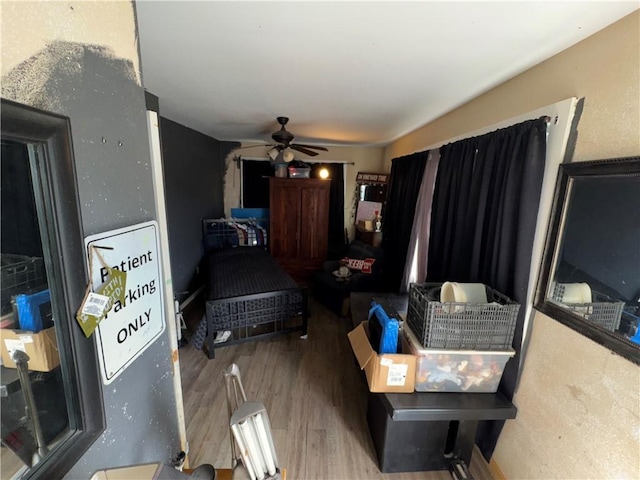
point(19, 274)
point(604, 310)
point(461, 326)
point(605, 314)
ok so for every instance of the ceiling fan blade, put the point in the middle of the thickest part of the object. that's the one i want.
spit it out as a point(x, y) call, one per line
point(303, 150)
point(315, 147)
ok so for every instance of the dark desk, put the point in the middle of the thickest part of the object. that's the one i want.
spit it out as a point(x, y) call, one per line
point(412, 432)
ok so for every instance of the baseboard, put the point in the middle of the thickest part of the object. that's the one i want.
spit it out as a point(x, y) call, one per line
point(492, 467)
point(496, 473)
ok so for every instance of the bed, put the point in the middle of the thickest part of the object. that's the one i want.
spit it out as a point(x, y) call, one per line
point(248, 293)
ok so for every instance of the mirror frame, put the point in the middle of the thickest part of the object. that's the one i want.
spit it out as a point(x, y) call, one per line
point(48, 140)
point(373, 179)
point(566, 174)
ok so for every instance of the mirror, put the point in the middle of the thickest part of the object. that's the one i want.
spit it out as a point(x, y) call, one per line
point(368, 209)
point(370, 196)
point(29, 429)
point(590, 277)
point(51, 405)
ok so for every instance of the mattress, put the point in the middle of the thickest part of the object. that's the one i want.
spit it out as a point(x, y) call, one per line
point(241, 271)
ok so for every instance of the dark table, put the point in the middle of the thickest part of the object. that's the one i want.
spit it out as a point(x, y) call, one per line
point(415, 432)
point(16, 430)
point(9, 382)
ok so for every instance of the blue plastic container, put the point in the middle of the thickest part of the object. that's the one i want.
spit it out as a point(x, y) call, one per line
point(384, 327)
point(29, 309)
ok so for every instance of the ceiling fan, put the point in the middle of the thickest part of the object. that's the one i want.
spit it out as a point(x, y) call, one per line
point(282, 149)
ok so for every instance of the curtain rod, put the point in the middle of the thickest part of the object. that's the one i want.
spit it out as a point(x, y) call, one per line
point(546, 118)
point(263, 159)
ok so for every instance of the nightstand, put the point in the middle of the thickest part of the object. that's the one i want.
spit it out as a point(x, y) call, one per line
point(370, 238)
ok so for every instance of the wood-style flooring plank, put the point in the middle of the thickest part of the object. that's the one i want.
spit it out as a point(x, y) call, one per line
point(317, 455)
point(315, 396)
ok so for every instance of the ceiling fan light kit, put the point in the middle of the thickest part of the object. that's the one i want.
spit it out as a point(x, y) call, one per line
point(273, 154)
point(280, 155)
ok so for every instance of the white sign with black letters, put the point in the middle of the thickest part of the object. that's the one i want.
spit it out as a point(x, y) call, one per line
point(132, 326)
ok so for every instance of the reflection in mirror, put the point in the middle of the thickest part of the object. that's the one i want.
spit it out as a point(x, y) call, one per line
point(33, 406)
point(591, 272)
point(372, 193)
point(370, 199)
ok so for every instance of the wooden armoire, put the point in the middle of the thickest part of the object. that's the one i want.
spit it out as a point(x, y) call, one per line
point(299, 221)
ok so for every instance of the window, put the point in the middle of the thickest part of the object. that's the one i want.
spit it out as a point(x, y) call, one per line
point(43, 281)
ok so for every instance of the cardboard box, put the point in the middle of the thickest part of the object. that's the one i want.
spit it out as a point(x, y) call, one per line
point(41, 347)
point(387, 373)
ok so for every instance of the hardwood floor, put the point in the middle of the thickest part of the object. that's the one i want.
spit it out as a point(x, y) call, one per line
point(315, 397)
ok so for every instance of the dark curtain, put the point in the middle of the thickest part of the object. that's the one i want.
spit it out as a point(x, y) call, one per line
point(255, 184)
point(336, 201)
point(397, 217)
point(483, 221)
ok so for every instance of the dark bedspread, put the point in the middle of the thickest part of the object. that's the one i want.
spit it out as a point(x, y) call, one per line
point(244, 271)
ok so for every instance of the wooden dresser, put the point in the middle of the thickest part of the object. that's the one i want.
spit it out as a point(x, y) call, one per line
point(299, 221)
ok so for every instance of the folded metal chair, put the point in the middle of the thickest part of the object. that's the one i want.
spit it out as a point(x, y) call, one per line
point(254, 456)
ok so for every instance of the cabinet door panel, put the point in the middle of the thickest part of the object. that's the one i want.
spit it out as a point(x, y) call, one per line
point(285, 215)
point(314, 223)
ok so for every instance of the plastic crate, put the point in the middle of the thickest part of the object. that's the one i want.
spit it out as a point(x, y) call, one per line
point(19, 274)
point(603, 310)
point(299, 172)
point(440, 370)
point(461, 326)
point(605, 314)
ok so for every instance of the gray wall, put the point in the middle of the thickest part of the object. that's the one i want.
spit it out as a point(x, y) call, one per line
point(193, 165)
point(106, 106)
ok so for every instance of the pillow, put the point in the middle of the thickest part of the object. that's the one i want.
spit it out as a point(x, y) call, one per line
point(362, 265)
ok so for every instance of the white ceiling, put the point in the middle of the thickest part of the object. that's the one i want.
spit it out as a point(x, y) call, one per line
point(346, 73)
